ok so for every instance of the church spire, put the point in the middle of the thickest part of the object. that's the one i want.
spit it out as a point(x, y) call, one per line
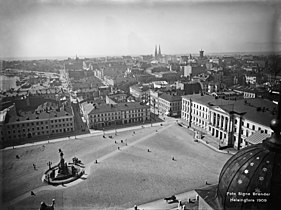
point(159, 51)
point(155, 53)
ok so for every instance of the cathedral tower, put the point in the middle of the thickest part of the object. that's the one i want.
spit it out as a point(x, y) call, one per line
point(155, 53)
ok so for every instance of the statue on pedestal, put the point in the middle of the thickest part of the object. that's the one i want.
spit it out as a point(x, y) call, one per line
point(62, 165)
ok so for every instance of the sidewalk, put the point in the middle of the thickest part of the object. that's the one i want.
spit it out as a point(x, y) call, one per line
point(161, 204)
point(92, 133)
point(212, 143)
point(209, 141)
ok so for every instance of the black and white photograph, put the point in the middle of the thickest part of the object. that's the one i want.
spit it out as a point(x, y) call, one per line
point(140, 104)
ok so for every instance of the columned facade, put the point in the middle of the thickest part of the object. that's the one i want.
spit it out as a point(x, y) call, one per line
point(219, 126)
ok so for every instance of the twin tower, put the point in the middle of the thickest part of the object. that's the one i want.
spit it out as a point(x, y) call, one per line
point(157, 54)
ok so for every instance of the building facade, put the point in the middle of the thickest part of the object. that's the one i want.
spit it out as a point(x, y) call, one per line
point(39, 123)
point(117, 114)
point(169, 104)
point(230, 122)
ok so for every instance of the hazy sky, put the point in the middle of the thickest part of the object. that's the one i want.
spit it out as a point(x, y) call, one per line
point(30, 28)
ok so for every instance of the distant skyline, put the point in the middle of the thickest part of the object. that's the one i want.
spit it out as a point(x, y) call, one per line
point(58, 28)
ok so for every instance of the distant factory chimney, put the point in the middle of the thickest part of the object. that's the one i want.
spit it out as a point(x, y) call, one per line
point(201, 52)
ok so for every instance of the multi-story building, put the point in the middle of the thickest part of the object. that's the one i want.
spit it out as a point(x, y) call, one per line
point(251, 79)
point(230, 122)
point(195, 111)
point(115, 114)
point(169, 104)
point(108, 80)
point(228, 95)
point(99, 73)
point(87, 93)
point(189, 87)
point(140, 93)
point(116, 98)
point(154, 100)
point(47, 119)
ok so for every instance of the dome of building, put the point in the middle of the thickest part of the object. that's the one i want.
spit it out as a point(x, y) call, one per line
point(251, 179)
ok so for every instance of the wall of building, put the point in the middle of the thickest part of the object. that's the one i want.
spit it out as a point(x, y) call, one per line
point(118, 117)
point(38, 127)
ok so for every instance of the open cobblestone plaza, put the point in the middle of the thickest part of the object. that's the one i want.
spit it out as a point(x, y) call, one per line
point(150, 164)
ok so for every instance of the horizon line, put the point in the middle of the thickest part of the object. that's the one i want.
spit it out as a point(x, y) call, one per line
point(59, 57)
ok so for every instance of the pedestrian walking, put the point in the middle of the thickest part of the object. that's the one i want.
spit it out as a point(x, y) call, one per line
point(34, 166)
point(32, 193)
point(17, 156)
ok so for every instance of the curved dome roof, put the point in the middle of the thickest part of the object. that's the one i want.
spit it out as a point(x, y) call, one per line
point(251, 179)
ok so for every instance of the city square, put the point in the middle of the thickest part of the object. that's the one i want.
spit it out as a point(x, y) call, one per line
point(140, 105)
point(157, 162)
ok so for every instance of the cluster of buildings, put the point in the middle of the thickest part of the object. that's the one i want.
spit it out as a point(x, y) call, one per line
point(215, 95)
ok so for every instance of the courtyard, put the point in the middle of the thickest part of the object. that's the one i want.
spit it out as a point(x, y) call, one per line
point(151, 163)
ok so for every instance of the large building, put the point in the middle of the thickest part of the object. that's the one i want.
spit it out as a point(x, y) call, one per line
point(116, 98)
point(141, 93)
point(48, 119)
point(230, 122)
point(169, 104)
point(98, 117)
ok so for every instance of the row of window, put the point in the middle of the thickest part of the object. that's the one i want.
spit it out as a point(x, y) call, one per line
point(38, 128)
point(116, 118)
point(38, 123)
point(118, 113)
point(24, 135)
